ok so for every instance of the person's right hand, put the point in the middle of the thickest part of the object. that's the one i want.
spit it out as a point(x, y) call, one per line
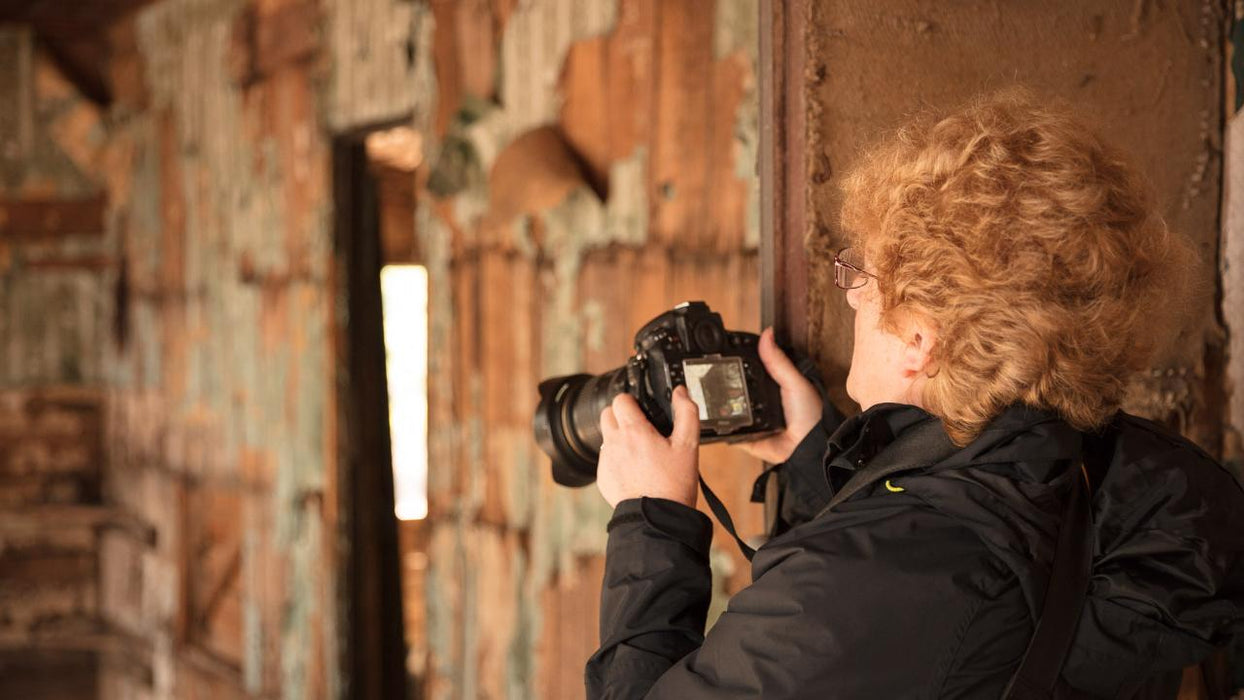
point(801, 402)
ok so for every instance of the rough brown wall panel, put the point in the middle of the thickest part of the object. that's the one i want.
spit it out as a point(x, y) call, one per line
point(1150, 73)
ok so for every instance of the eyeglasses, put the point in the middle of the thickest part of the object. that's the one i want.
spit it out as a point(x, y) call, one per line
point(847, 271)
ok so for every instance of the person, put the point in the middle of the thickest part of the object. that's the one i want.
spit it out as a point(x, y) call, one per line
point(1009, 274)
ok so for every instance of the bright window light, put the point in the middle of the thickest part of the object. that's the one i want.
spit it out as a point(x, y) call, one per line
point(404, 292)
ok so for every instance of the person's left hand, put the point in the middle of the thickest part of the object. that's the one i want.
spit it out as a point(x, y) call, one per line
point(636, 460)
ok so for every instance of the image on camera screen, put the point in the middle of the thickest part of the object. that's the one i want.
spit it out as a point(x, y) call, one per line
point(719, 388)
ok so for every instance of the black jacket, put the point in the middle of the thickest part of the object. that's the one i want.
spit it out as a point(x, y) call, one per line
point(926, 581)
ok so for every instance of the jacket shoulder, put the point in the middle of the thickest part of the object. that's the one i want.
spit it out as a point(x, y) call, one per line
point(1142, 432)
point(1169, 522)
point(1177, 484)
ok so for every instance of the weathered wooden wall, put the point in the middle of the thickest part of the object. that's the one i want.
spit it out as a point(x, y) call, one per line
point(54, 309)
point(222, 418)
point(590, 165)
point(169, 374)
point(1151, 74)
point(170, 316)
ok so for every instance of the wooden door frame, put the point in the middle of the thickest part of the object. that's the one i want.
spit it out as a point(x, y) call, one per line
point(373, 645)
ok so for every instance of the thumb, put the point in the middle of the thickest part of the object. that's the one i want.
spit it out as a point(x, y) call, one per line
point(779, 366)
point(686, 431)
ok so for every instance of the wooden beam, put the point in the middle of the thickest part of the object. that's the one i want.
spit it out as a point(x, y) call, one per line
point(42, 518)
point(783, 177)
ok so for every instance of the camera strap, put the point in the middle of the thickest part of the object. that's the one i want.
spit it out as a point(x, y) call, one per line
point(1037, 677)
point(723, 517)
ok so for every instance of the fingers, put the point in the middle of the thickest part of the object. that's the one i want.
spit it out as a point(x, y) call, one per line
point(629, 415)
point(608, 422)
point(779, 366)
point(686, 419)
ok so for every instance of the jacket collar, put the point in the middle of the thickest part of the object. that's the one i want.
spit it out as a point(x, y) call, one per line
point(889, 438)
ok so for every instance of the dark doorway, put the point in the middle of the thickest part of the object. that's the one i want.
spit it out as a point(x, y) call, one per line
point(373, 654)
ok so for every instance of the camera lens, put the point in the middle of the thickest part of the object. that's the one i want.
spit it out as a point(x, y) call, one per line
point(567, 422)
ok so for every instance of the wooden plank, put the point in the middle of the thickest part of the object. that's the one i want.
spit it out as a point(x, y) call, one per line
point(290, 34)
point(51, 448)
point(498, 369)
point(646, 290)
point(478, 38)
point(15, 521)
point(607, 91)
point(725, 211)
point(616, 288)
point(683, 103)
point(51, 218)
point(213, 601)
point(446, 57)
point(567, 640)
point(369, 47)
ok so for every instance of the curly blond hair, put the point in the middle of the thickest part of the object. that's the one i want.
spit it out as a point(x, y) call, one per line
point(1034, 248)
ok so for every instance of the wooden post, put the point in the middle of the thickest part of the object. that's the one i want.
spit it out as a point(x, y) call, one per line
point(783, 211)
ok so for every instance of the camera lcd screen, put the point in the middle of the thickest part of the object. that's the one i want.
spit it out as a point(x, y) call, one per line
point(719, 387)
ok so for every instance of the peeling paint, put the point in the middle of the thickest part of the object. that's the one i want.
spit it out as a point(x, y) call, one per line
point(747, 157)
point(533, 48)
point(521, 661)
point(229, 324)
point(736, 26)
point(373, 79)
point(736, 30)
point(462, 239)
point(594, 321)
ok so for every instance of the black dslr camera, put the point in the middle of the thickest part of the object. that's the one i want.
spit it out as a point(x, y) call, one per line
point(688, 345)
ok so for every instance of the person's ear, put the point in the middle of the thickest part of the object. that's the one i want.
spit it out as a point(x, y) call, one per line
point(919, 342)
